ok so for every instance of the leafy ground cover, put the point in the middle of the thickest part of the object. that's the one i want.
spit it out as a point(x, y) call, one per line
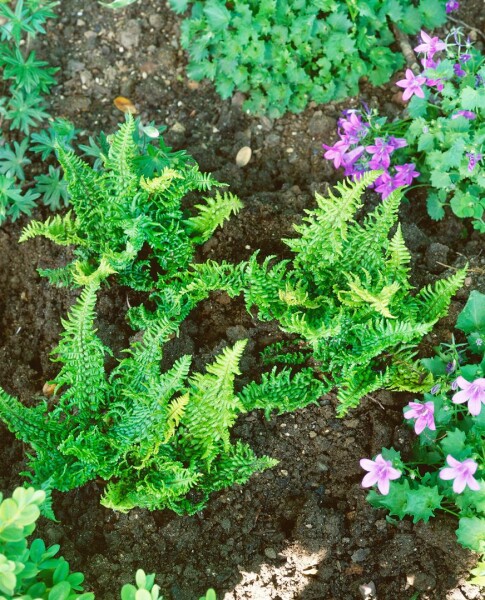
point(303, 529)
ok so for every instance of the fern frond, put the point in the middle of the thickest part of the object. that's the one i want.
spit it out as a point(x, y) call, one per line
point(213, 406)
point(358, 382)
point(162, 182)
point(174, 415)
point(119, 163)
point(28, 424)
point(62, 230)
point(212, 215)
point(236, 467)
point(358, 295)
point(162, 487)
point(60, 277)
point(283, 391)
point(324, 230)
point(82, 354)
point(433, 300)
point(399, 255)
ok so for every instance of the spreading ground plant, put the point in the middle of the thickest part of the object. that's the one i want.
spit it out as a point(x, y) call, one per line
point(440, 141)
point(26, 83)
point(447, 469)
point(285, 53)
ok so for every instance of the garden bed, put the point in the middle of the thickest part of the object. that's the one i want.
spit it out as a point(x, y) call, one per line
point(302, 530)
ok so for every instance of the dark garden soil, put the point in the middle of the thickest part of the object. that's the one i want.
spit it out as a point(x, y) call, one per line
point(302, 530)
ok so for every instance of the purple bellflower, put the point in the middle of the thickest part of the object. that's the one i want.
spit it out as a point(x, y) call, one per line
point(462, 474)
point(412, 85)
point(468, 114)
point(385, 184)
point(458, 70)
point(424, 415)
point(336, 152)
point(451, 6)
point(473, 159)
point(430, 45)
point(381, 151)
point(381, 472)
point(405, 174)
point(473, 393)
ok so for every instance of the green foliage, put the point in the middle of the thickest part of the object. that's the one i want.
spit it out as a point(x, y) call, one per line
point(23, 108)
point(346, 297)
point(283, 54)
point(472, 321)
point(445, 133)
point(457, 433)
point(158, 440)
point(32, 572)
point(132, 222)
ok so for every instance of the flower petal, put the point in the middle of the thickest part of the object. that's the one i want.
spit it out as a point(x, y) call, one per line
point(459, 484)
point(475, 406)
point(452, 461)
point(472, 483)
point(447, 473)
point(383, 486)
point(370, 479)
point(368, 465)
point(462, 382)
point(461, 397)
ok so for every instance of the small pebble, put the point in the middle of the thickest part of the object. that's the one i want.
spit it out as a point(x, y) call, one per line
point(243, 156)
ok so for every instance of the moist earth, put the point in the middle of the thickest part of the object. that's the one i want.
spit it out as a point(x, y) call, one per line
point(302, 530)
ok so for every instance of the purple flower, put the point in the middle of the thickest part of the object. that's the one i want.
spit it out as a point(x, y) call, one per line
point(473, 159)
point(462, 473)
point(353, 126)
point(405, 174)
point(381, 472)
point(465, 57)
point(349, 158)
point(450, 367)
point(381, 150)
point(336, 152)
point(396, 143)
point(435, 389)
point(424, 415)
point(429, 63)
point(458, 70)
point(412, 85)
point(430, 45)
point(451, 6)
point(473, 393)
point(468, 114)
point(385, 184)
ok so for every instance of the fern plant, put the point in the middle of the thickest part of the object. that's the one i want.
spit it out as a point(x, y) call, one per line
point(132, 222)
point(345, 298)
point(159, 440)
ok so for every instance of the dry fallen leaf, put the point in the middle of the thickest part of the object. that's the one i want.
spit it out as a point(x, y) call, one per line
point(125, 105)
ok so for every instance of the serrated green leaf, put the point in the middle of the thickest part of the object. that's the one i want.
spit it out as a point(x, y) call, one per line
point(471, 533)
point(472, 317)
point(454, 443)
point(422, 502)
